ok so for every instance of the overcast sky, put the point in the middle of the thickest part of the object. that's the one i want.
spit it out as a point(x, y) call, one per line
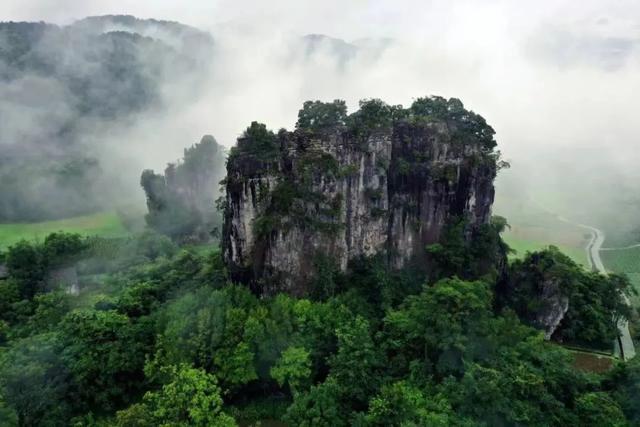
point(355, 18)
point(544, 59)
point(558, 79)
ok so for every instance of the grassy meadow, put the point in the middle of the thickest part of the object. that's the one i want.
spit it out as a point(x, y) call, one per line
point(534, 230)
point(107, 224)
point(523, 240)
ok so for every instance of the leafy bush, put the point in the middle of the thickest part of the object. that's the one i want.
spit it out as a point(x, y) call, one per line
point(595, 302)
point(317, 116)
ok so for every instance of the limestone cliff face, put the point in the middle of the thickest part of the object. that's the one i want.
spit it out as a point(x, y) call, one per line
point(342, 194)
point(552, 307)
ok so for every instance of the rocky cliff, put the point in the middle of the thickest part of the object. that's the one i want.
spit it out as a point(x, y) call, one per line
point(382, 179)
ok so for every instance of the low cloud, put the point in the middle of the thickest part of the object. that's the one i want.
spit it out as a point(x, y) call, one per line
point(558, 82)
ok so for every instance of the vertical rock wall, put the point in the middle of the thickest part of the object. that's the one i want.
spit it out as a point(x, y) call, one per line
point(340, 195)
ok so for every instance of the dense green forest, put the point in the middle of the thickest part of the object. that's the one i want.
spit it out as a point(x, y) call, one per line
point(159, 336)
point(356, 269)
point(150, 330)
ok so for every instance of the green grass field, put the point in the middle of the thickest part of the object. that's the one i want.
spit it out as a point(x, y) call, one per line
point(106, 224)
point(625, 261)
point(524, 245)
point(534, 227)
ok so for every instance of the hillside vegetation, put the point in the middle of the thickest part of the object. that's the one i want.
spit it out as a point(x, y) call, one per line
point(162, 334)
point(168, 339)
point(69, 94)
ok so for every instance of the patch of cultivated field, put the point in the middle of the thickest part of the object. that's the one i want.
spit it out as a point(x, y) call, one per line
point(625, 261)
point(106, 224)
point(535, 226)
point(592, 362)
point(523, 241)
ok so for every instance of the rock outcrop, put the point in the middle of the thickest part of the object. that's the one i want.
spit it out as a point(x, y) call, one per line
point(181, 202)
point(553, 306)
point(383, 179)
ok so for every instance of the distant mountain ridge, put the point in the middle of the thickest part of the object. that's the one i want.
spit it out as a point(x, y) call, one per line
point(61, 86)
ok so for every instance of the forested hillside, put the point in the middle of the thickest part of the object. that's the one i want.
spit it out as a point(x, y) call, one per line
point(162, 334)
point(63, 90)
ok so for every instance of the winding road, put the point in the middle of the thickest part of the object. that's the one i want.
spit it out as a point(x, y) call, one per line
point(623, 346)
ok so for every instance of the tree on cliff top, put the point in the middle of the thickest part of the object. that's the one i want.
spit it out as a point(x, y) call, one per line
point(374, 113)
point(465, 124)
point(317, 115)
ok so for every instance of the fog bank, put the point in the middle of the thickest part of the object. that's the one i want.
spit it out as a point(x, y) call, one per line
point(557, 82)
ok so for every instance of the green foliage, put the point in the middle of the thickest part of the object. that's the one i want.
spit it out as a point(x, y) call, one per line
point(596, 302)
point(442, 327)
point(257, 142)
point(467, 125)
point(35, 382)
point(317, 116)
point(174, 344)
point(9, 300)
point(191, 397)
point(293, 369)
point(49, 310)
point(236, 365)
point(105, 353)
point(401, 404)
point(599, 409)
point(27, 263)
point(327, 278)
point(62, 248)
point(316, 324)
point(478, 257)
point(624, 382)
point(373, 114)
point(260, 410)
point(7, 416)
point(319, 407)
point(206, 329)
point(356, 363)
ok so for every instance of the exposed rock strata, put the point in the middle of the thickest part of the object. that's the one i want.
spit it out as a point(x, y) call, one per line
point(344, 194)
